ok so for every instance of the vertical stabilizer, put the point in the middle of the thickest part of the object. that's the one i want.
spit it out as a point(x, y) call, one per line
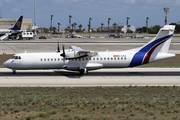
point(159, 44)
point(18, 24)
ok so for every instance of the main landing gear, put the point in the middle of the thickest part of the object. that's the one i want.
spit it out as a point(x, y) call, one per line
point(83, 71)
point(14, 71)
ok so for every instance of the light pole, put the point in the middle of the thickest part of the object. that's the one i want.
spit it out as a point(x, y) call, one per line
point(35, 16)
point(0, 14)
point(166, 10)
point(178, 22)
point(51, 22)
point(147, 24)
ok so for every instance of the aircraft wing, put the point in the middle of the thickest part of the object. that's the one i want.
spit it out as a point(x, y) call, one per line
point(79, 52)
point(75, 48)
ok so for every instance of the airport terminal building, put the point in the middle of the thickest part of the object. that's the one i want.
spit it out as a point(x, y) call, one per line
point(9, 23)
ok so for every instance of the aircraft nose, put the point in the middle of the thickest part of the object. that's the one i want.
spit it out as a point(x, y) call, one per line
point(5, 64)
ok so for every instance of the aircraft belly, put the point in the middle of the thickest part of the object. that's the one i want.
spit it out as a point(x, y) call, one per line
point(116, 64)
point(94, 66)
point(81, 65)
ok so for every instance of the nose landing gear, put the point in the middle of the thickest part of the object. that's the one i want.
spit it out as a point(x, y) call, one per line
point(83, 71)
point(14, 71)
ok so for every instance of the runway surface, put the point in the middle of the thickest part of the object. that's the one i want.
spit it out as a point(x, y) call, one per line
point(103, 77)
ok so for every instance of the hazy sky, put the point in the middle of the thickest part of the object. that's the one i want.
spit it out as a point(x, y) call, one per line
point(98, 10)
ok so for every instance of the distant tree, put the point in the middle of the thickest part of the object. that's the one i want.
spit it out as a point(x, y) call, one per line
point(45, 30)
point(94, 31)
point(70, 20)
point(54, 30)
point(80, 26)
point(144, 29)
point(72, 27)
point(127, 24)
point(51, 23)
point(155, 29)
point(129, 31)
point(177, 28)
point(102, 24)
point(147, 24)
point(108, 23)
point(89, 26)
point(75, 24)
point(127, 21)
point(98, 30)
point(114, 24)
point(173, 24)
point(58, 26)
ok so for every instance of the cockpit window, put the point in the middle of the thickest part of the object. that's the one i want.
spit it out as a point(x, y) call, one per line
point(16, 57)
point(13, 57)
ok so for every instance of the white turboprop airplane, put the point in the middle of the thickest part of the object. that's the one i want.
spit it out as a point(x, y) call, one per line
point(12, 31)
point(77, 59)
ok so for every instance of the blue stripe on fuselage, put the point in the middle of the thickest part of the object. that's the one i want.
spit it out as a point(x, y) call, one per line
point(139, 56)
point(150, 45)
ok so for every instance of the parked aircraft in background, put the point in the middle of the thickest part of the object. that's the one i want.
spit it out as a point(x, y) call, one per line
point(4, 33)
point(77, 59)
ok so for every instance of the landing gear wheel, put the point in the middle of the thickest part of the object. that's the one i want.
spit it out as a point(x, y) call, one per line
point(14, 72)
point(83, 71)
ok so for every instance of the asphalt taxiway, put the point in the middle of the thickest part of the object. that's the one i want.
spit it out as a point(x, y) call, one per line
point(103, 77)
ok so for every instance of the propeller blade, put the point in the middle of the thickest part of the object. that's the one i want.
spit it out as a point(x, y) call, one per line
point(58, 50)
point(63, 54)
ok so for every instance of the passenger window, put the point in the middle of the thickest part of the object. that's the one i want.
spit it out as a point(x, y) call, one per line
point(51, 59)
point(44, 59)
point(97, 58)
point(101, 58)
point(111, 58)
point(93, 58)
point(107, 58)
point(48, 59)
point(104, 58)
point(114, 58)
point(89, 58)
point(58, 59)
point(41, 59)
point(118, 58)
point(86, 58)
point(54, 59)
